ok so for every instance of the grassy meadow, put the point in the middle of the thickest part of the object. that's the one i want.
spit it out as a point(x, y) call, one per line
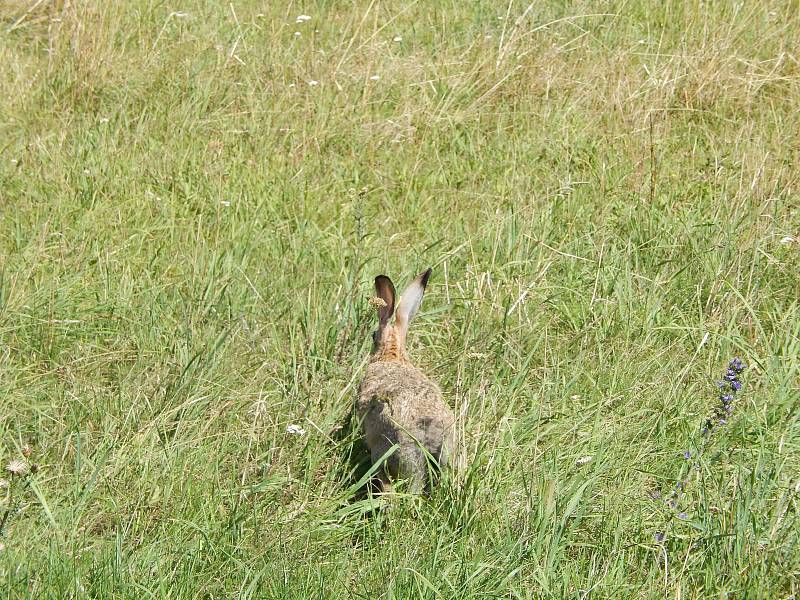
point(196, 196)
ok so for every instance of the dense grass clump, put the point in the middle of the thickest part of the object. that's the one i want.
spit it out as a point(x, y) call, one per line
point(195, 197)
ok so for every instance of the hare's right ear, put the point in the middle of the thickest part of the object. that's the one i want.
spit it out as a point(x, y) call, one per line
point(410, 301)
point(384, 288)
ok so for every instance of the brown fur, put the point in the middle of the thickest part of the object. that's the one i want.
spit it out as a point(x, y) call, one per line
point(398, 404)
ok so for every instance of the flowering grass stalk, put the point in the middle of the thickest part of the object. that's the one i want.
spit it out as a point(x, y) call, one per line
point(20, 476)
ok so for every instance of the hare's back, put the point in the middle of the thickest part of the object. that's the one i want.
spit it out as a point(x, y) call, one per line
point(405, 395)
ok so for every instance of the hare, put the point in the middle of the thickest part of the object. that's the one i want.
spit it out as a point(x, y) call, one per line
point(397, 403)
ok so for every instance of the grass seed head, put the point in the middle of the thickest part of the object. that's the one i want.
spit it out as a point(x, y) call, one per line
point(17, 467)
point(377, 302)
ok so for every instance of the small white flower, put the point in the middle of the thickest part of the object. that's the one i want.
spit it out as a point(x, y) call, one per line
point(583, 460)
point(104, 120)
point(375, 77)
point(291, 85)
point(225, 202)
point(86, 172)
point(575, 397)
point(397, 38)
point(312, 83)
point(295, 430)
point(17, 467)
point(302, 18)
point(787, 240)
point(296, 34)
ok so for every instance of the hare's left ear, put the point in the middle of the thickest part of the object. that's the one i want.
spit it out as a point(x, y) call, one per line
point(384, 288)
point(410, 301)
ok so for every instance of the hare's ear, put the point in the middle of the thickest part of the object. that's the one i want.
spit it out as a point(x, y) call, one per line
point(384, 288)
point(410, 301)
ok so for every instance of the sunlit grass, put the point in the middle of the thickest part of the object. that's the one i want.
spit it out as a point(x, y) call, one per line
point(189, 228)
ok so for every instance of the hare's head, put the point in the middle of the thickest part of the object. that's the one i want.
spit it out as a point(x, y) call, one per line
point(389, 340)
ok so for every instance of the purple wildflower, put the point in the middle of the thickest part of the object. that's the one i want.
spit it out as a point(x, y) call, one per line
point(728, 388)
point(737, 365)
point(729, 385)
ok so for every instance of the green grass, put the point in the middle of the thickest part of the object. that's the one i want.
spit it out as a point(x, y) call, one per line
point(188, 236)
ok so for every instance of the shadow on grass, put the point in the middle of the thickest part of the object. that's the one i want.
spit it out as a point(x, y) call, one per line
point(356, 461)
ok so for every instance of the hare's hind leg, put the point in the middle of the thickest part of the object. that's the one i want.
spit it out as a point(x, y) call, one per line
point(450, 455)
point(413, 466)
point(388, 470)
